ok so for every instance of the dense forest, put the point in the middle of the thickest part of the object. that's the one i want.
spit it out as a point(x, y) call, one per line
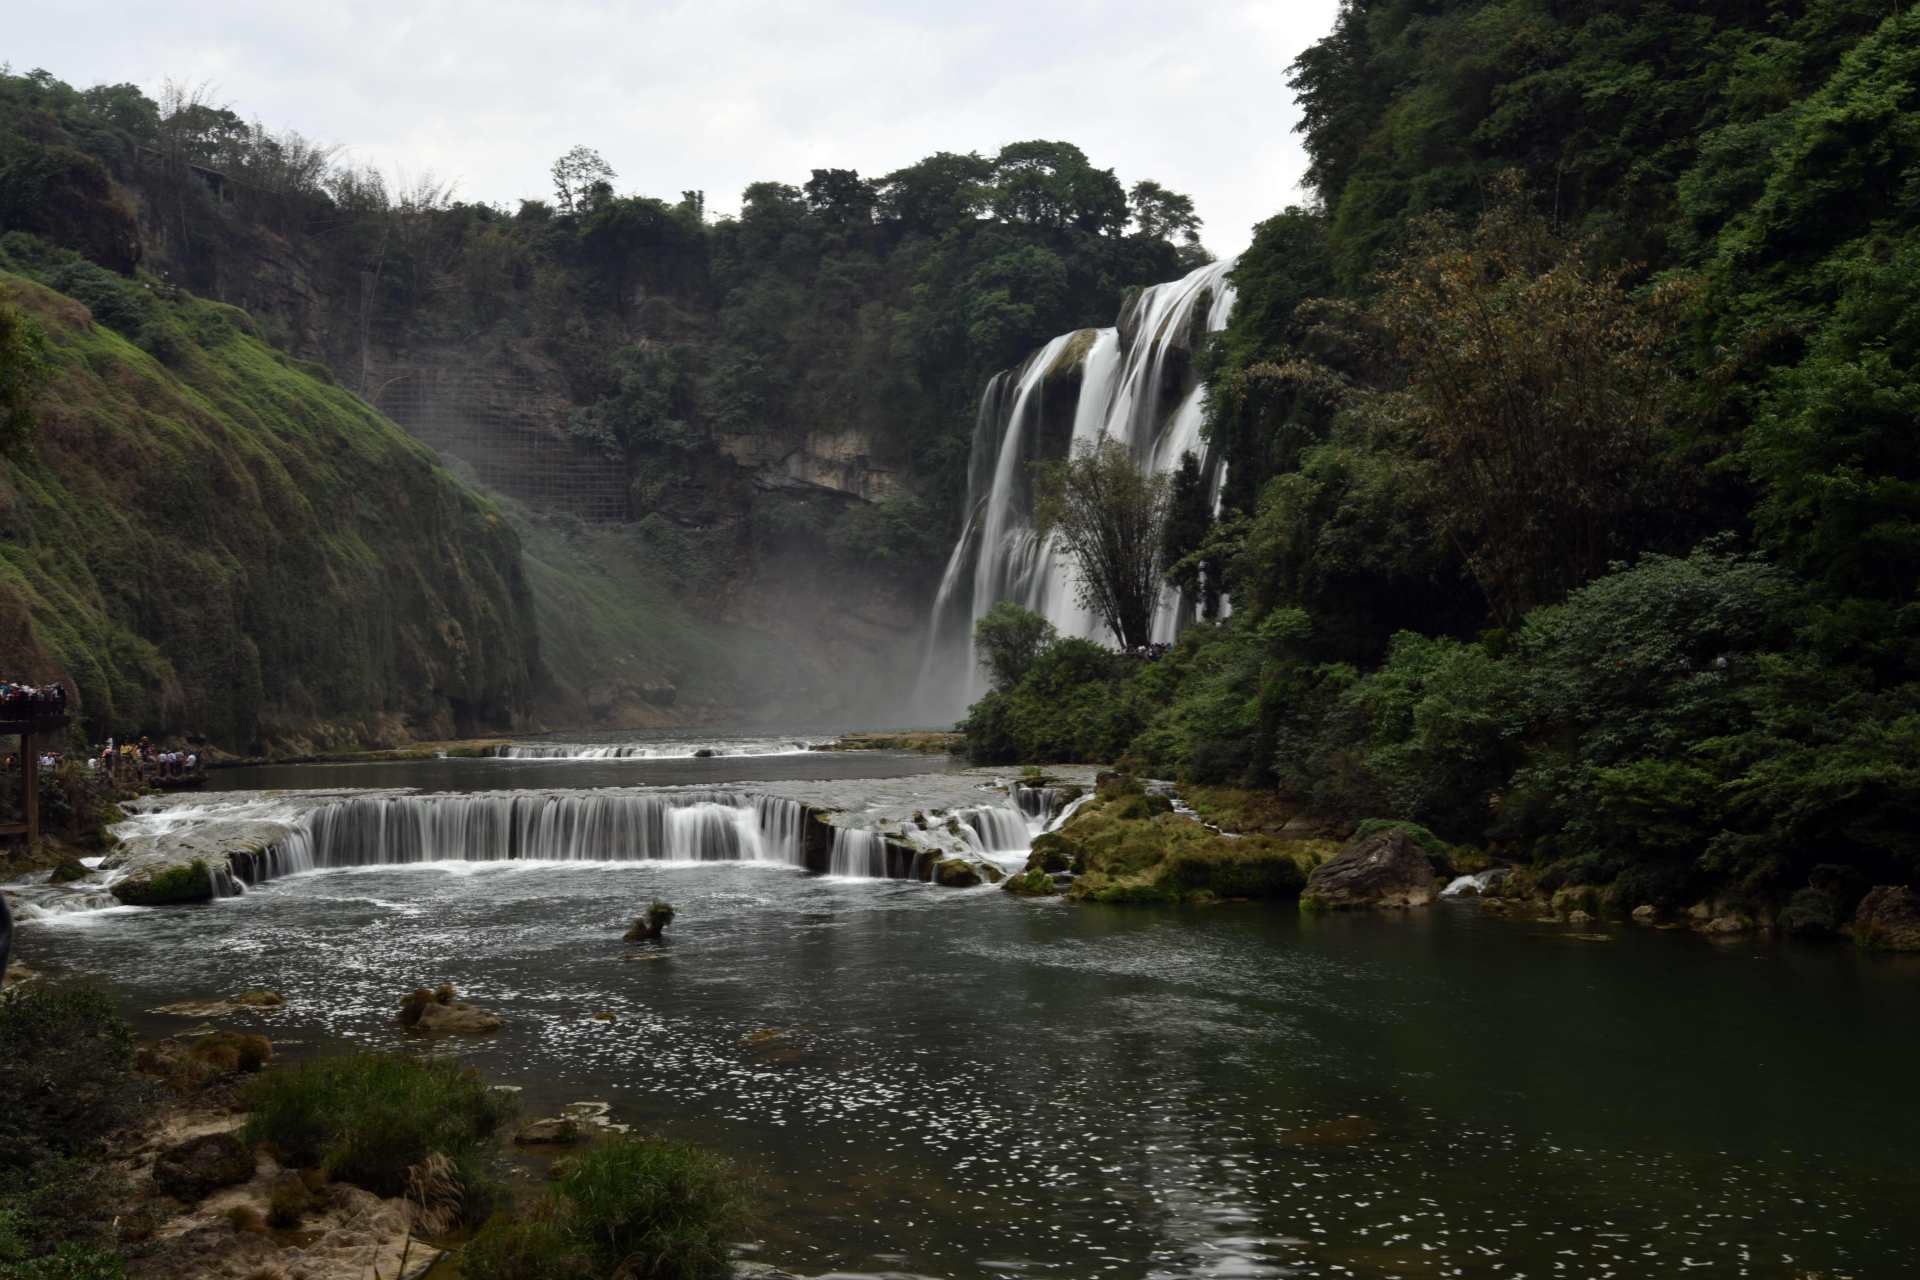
point(782, 401)
point(1572, 495)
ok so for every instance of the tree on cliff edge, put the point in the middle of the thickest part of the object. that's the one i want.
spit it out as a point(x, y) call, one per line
point(1110, 515)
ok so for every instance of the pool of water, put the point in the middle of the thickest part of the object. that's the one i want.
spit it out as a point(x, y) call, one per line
point(738, 764)
point(964, 1084)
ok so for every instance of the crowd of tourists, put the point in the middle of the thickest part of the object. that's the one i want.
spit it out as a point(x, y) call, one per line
point(22, 701)
point(131, 761)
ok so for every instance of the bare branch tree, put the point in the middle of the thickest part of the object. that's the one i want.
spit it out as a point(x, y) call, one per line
point(1111, 516)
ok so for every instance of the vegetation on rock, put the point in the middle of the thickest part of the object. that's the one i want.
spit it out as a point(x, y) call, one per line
point(370, 1119)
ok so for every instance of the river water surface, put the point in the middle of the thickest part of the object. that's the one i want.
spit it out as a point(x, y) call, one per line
point(947, 1083)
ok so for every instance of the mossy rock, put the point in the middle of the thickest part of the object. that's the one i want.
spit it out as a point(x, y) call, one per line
point(68, 870)
point(1053, 852)
point(1032, 884)
point(956, 873)
point(1440, 854)
point(190, 882)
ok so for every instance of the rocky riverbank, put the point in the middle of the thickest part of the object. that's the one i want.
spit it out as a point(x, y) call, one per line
point(1151, 842)
point(203, 1156)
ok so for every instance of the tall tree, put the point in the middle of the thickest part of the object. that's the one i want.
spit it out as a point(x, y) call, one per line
point(1536, 392)
point(1160, 214)
point(1111, 515)
point(575, 175)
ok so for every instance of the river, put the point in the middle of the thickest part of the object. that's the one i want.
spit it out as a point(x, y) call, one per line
point(960, 1083)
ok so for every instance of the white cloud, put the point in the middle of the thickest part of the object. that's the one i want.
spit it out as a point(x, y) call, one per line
point(715, 95)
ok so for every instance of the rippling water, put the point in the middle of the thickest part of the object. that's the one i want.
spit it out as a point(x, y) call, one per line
point(967, 1084)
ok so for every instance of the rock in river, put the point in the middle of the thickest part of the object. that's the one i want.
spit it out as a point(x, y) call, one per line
point(1384, 868)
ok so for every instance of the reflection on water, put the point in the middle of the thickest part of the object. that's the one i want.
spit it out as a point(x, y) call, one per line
point(966, 1084)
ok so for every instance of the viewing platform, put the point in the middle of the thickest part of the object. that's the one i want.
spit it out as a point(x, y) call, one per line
point(27, 723)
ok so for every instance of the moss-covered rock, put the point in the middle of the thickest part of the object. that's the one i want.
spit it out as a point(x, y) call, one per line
point(1130, 847)
point(1054, 852)
point(68, 870)
point(182, 882)
point(1031, 884)
point(956, 873)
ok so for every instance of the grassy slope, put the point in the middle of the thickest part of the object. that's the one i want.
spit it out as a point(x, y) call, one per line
point(230, 544)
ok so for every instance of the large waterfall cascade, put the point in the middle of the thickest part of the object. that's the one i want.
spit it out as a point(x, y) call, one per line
point(1133, 382)
point(562, 826)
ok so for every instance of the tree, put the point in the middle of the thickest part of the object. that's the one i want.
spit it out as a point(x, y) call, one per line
point(1008, 639)
point(1537, 389)
point(942, 191)
point(1189, 518)
point(575, 174)
point(1161, 214)
point(1111, 516)
point(1053, 185)
point(841, 197)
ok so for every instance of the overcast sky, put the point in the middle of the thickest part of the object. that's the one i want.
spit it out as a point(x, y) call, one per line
point(715, 94)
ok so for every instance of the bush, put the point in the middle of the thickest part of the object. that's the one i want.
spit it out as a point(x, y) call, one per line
point(67, 1262)
point(65, 1072)
point(649, 1209)
point(370, 1119)
point(525, 1249)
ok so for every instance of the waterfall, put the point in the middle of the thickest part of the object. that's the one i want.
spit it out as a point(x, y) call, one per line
point(1133, 382)
point(646, 750)
point(699, 826)
point(858, 853)
point(995, 829)
point(1041, 805)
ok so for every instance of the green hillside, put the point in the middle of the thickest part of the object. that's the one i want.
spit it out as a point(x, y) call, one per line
point(203, 533)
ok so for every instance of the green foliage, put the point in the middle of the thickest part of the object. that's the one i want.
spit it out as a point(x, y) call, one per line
point(648, 1208)
point(23, 372)
point(280, 498)
point(1071, 705)
point(75, 1037)
point(1008, 640)
point(370, 1118)
point(68, 1261)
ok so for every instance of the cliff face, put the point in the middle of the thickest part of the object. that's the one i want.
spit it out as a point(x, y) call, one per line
point(207, 534)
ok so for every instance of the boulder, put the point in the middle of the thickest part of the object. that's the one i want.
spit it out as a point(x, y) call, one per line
point(1645, 913)
point(69, 870)
point(457, 1018)
point(956, 873)
point(1052, 852)
point(1031, 884)
point(1731, 923)
point(553, 1131)
point(1888, 919)
point(200, 1166)
point(1384, 868)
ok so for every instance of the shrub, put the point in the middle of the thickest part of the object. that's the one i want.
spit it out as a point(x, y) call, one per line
point(661, 1210)
point(68, 1262)
point(644, 1208)
point(370, 1119)
point(65, 1072)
